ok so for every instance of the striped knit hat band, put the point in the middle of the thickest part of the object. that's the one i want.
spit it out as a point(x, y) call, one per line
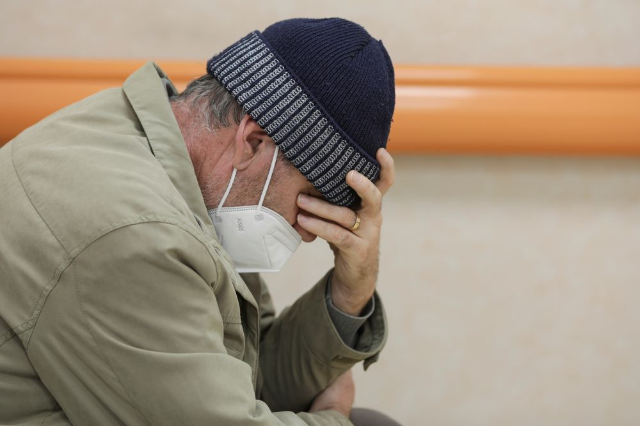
point(254, 73)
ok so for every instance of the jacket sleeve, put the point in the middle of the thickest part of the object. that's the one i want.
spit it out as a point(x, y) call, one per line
point(132, 334)
point(301, 352)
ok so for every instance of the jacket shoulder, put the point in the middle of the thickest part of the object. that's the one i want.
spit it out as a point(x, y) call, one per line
point(89, 166)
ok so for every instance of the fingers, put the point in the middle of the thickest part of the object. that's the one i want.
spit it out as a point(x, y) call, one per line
point(332, 233)
point(387, 170)
point(307, 236)
point(368, 192)
point(343, 216)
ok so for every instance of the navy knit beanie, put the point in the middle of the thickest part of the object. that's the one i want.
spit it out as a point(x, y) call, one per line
point(323, 89)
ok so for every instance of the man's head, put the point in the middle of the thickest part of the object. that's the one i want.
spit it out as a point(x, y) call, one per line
point(321, 89)
point(221, 136)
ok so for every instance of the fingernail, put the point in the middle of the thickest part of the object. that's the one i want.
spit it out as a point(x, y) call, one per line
point(355, 176)
point(302, 199)
point(302, 219)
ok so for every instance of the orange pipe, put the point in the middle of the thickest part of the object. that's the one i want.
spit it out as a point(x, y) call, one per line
point(488, 110)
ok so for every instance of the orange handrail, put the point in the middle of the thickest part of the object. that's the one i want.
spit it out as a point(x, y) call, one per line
point(439, 109)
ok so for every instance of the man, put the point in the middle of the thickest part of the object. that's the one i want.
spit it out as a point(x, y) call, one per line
point(127, 217)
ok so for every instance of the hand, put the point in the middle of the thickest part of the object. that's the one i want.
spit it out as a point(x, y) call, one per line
point(339, 396)
point(356, 252)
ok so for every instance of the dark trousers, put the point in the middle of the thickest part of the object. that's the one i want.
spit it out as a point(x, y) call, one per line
point(367, 417)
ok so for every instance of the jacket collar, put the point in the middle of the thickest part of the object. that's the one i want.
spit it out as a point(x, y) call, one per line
point(147, 90)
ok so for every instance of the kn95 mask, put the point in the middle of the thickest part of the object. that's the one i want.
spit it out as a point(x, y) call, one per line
point(256, 238)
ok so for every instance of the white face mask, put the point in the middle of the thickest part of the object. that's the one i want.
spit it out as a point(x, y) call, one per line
point(257, 238)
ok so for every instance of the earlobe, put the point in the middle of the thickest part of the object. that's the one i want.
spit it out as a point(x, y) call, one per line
point(248, 140)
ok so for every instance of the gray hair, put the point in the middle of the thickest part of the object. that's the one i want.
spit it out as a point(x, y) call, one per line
point(216, 105)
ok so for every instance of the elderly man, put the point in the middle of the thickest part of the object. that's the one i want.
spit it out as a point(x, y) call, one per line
point(133, 225)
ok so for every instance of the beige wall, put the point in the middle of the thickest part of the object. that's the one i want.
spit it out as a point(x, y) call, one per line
point(512, 287)
point(538, 32)
point(512, 284)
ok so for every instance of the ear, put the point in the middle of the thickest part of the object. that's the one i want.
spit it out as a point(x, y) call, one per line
point(247, 142)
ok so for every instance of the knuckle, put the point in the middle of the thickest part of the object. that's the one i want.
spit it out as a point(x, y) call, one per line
point(390, 163)
point(337, 234)
point(344, 237)
point(347, 217)
point(392, 179)
point(376, 196)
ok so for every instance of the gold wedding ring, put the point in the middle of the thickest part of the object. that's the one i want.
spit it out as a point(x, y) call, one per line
point(355, 225)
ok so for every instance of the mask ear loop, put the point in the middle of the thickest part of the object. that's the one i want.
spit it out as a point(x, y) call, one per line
point(226, 193)
point(266, 185)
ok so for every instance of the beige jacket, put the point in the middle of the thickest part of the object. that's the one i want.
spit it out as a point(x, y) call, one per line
point(117, 303)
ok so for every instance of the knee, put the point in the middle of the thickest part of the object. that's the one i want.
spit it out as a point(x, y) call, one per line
point(368, 417)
